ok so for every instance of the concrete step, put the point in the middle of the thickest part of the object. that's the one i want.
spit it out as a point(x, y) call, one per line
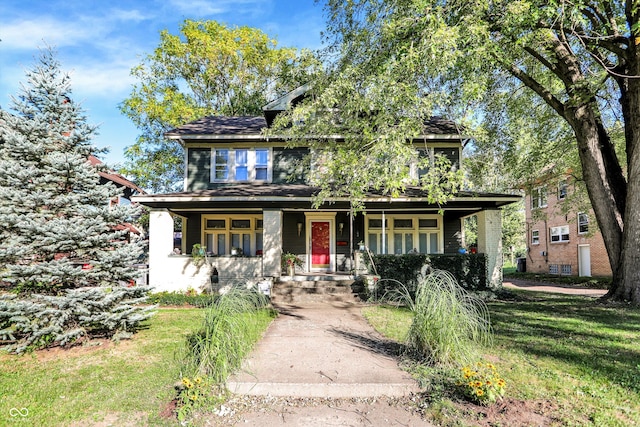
point(313, 291)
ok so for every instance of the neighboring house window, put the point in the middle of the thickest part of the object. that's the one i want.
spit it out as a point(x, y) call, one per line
point(565, 269)
point(583, 223)
point(563, 186)
point(241, 165)
point(222, 234)
point(539, 198)
point(560, 234)
point(535, 237)
point(553, 269)
point(404, 234)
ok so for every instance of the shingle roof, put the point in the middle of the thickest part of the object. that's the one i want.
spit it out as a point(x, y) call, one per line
point(221, 125)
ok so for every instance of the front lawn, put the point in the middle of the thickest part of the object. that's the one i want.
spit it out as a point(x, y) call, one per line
point(125, 383)
point(571, 355)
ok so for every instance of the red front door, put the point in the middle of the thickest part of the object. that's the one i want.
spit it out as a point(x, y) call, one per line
point(320, 245)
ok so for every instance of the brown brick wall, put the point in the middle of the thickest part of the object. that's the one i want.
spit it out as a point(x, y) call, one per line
point(562, 253)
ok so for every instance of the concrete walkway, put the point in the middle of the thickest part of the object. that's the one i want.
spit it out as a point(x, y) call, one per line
point(553, 288)
point(322, 350)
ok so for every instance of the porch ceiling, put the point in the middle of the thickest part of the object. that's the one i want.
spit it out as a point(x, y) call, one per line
point(296, 196)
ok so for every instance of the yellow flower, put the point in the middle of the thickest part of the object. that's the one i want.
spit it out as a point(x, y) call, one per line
point(472, 383)
point(490, 366)
point(488, 382)
point(478, 383)
point(479, 392)
point(198, 380)
point(501, 382)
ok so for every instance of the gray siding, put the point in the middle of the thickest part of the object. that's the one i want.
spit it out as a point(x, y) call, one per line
point(452, 230)
point(192, 235)
point(198, 169)
point(287, 165)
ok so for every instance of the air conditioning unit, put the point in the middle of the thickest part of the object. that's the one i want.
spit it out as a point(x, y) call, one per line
point(543, 253)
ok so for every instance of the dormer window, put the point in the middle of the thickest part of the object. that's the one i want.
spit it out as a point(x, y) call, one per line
point(241, 165)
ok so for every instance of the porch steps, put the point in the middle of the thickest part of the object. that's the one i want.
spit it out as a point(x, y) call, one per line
point(305, 289)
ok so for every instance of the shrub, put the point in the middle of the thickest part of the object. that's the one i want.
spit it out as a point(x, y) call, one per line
point(470, 270)
point(448, 323)
point(39, 321)
point(179, 298)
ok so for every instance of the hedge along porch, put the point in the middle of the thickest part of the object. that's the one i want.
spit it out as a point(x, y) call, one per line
point(324, 239)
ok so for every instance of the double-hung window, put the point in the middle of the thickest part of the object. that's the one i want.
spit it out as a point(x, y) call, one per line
point(583, 223)
point(535, 237)
point(559, 234)
point(237, 234)
point(563, 187)
point(402, 234)
point(241, 164)
point(539, 198)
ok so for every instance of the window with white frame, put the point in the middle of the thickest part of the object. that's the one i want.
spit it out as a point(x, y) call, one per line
point(404, 234)
point(583, 223)
point(539, 198)
point(559, 234)
point(535, 237)
point(241, 164)
point(222, 234)
point(563, 187)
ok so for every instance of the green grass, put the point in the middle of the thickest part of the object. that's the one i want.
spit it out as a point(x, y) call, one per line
point(127, 383)
point(573, 351)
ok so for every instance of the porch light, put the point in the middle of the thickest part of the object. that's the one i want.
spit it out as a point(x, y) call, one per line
point(299, 228)
point(341, 227)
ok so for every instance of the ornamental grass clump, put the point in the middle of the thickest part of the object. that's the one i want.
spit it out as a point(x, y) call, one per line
point(449, 324)
point(481, 383)
point(232, 325)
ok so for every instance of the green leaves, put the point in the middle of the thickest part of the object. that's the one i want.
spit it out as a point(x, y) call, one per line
point(207, 69)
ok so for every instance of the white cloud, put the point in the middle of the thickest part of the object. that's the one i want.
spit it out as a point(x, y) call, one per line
point(111, 81)
point(201, 8)
point(29, 34)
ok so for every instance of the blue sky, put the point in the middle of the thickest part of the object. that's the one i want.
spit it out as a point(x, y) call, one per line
point(99, 41)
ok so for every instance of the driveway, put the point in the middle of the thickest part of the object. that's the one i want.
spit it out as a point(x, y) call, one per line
point(553, 288)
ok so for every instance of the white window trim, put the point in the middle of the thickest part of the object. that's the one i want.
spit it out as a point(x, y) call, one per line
point(558, 231)
point(564, 183)
point(580, 223)
point(415, 230)
point(251, 164)
point(533, 242)
point(228, 230)
point(539, 191)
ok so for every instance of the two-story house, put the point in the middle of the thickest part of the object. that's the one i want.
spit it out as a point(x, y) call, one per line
point(562, 239)
point(246, 202)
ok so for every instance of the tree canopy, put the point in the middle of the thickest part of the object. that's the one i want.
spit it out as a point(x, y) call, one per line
point(64, 257)
point(563, 75)
point(207, 69)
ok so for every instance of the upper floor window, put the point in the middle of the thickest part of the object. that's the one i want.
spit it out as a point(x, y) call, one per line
point(240, 164)
point(559, 234)
point(563, 186)
point(583, 223)
point(539, 198)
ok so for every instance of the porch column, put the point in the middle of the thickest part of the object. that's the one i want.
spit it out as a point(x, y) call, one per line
point(271, 242)
point(160, 245)
point(490, 244)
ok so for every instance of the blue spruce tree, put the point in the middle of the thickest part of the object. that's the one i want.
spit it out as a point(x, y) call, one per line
point(66, 270)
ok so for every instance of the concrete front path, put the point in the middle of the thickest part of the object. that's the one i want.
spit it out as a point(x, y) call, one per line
point(322, 350)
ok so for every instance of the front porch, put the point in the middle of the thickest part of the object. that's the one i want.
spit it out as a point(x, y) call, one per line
point(244, 239)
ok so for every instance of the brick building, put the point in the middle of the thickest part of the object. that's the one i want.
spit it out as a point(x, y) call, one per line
point(562, 239)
